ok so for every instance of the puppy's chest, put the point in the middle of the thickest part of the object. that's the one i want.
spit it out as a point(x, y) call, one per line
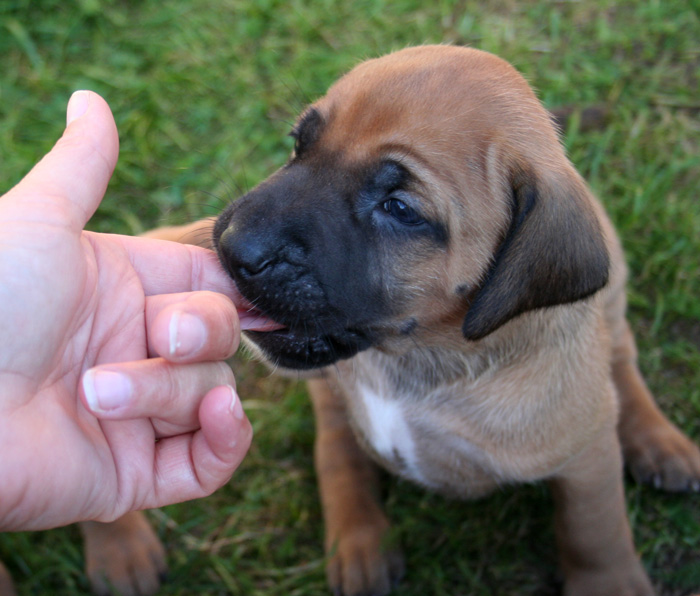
point(410, 441)
point(387, 432)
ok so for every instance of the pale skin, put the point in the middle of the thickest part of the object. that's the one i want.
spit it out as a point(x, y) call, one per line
point(114, 393)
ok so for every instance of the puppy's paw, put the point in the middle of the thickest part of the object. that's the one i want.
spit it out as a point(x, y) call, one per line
point(633, 583)
point(363, 564)
point(124, 557)
point(663, 456)
point(6, 588)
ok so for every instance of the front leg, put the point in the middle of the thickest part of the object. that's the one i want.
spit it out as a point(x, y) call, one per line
point(123, 557)
point(6, 587)
point(593, 534)
point(654, 449)
point(360, 561)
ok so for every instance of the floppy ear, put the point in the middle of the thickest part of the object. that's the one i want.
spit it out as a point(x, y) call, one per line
point(553, 253)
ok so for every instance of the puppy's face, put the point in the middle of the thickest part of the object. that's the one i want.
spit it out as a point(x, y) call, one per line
point(419, 207)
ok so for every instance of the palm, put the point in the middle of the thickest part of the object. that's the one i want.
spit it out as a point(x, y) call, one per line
point(75, 301)
point(100, 316)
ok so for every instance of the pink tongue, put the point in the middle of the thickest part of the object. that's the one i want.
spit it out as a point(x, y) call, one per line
point(253, 320)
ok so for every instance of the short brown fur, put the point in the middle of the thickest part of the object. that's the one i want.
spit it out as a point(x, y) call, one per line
point(545, 386)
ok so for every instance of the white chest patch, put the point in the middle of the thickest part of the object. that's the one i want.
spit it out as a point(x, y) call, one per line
point(389, 433)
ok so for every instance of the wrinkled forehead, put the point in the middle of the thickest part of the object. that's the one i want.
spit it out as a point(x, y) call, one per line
point(436, 97)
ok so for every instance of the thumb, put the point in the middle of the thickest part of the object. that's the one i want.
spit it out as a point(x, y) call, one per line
point(74, 175)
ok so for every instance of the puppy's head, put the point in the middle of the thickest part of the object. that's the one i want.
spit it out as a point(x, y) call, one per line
point(428, 201)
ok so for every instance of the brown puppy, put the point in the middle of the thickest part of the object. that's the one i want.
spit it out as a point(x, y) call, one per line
point(430, 248)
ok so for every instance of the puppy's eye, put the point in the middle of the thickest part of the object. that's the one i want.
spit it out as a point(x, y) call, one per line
point(297, 143)
point(402, 212)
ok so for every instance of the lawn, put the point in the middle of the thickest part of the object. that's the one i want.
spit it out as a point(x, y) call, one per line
point(204, 93)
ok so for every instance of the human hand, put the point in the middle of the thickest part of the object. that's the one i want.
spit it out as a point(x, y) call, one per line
point(113, 391)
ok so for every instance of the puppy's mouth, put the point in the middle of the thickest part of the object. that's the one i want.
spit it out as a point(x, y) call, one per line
point(253, 319)
point(299, 347)
point(295, 350)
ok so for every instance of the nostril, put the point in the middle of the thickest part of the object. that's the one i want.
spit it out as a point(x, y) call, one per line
point(252, 269)
point(244, 254)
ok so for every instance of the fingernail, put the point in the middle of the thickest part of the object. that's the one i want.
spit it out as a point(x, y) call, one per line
point(236, 407)
point(187, 334)
point(106, 390)
point(77, 106)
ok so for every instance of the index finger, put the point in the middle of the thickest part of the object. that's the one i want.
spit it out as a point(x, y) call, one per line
point(166, 267)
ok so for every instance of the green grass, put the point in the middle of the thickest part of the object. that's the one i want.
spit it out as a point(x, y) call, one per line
point(204, 93)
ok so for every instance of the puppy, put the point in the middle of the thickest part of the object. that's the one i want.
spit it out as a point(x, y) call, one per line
point(432, 252)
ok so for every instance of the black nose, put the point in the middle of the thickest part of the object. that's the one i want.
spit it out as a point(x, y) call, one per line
point(246, 255)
